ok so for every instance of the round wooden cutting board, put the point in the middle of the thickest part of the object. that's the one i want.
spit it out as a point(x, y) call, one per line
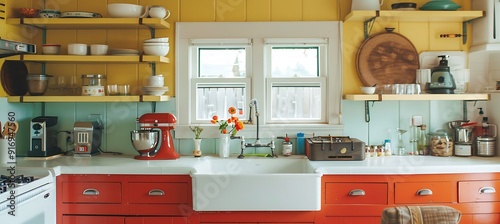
point(387, 58)
point(13, 77)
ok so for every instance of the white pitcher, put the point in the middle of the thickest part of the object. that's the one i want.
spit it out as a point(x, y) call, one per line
point(156, 11)
point(366, 4)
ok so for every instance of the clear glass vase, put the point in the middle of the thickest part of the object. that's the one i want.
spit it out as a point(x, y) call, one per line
point(224, 145)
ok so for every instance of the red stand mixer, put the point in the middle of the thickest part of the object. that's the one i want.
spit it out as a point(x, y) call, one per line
point(148, 124)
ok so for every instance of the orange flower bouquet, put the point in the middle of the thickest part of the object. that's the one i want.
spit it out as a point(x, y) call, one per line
point(233, 121)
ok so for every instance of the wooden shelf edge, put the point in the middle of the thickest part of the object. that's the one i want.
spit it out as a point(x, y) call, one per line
point(86, 99)
point(91, 23)
point(88, 58)
point(417, 15)
point(382, 97)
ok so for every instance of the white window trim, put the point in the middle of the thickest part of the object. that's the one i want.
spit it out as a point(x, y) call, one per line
point(259, 33)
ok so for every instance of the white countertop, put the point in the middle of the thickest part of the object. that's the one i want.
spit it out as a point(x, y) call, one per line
point(411, 165)
point(125, 164)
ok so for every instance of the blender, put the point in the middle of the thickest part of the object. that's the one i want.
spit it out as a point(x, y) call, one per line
point(154, 141)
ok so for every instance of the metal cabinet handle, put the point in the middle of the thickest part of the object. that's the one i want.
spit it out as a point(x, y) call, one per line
point(156, 192)
point(424, 192)
point(357, 192)
point(90, 191)
point(487, 190)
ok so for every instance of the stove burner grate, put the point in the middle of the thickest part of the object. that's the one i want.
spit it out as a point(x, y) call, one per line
point(6, 181)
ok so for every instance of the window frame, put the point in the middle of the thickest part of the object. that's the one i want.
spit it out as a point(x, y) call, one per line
point(259, 33)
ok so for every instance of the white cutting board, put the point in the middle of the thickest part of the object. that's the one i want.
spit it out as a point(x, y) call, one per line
point(429, 59)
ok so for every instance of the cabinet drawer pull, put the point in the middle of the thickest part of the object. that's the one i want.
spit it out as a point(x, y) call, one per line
point(424, 192)
point(487, 190)
point(156, 192)
point(90, 191)
point(357, 192)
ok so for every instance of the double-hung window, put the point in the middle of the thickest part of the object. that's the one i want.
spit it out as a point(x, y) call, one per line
point(296, 80)
point(292, 69)
point(219, 79)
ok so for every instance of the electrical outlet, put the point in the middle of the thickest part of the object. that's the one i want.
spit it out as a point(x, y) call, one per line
point(65, 140)
point(416, 120)
point(69, 139)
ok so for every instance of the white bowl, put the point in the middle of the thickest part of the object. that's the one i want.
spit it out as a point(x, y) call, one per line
point(98, 49)
point(77, 49)
point(51, 49)
point(157, 40)
point(124, 10)
point(156, 44)
point(156, 81)
point(368, 90)
point(157, 49)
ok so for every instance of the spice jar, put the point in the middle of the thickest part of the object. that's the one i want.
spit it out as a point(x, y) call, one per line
point(440, 144)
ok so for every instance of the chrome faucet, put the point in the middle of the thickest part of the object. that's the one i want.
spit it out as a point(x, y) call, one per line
point(257, 143)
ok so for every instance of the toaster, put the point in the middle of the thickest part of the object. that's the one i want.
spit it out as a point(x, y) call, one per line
point(87, 137)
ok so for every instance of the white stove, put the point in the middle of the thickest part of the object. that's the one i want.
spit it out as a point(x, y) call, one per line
point(27, 196)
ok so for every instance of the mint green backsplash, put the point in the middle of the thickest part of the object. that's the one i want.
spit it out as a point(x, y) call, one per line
point(120, 118)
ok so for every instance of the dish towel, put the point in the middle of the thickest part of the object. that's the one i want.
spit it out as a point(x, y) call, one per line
point(420, 215)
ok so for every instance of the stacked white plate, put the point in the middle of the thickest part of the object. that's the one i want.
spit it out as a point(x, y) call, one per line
point(155, 91)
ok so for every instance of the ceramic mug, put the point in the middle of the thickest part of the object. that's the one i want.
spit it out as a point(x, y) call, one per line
point(157, 11)
point(156, 80)
point(366, 5)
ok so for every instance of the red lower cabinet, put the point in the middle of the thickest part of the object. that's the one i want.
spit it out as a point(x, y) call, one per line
point(353, 220)
point(356, 199)
point(119, 199)
point(75, 219)
point(154, 220)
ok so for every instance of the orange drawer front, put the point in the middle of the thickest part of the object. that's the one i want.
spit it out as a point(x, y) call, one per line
point(478, 191)
point(425, 192)
point(164, 193)
point(91, 192)
point(356, 193)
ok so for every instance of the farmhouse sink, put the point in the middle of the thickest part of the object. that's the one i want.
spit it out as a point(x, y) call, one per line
point(256, 184)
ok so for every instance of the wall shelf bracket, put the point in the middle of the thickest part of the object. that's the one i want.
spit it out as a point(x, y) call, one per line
point(464, 30)
point(367, 107)
point(368, 24)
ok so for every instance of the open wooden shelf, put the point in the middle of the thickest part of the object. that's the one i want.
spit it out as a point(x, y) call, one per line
point(86, 99)
point(382, 97)
point(415, 16)
point(89, 58)
point(91, 23)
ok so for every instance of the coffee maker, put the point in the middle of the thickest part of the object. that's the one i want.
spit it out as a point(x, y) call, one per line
point(164, 122)
point(43, 135)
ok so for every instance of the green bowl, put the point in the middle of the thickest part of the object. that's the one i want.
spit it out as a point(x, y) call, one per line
point(440, 5)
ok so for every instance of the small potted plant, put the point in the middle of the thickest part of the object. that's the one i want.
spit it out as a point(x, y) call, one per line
point(197, 140)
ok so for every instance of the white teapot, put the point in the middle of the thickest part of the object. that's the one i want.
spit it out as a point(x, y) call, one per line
point(156, 11)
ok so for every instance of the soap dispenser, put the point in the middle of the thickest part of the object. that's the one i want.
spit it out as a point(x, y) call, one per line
point(442, 81)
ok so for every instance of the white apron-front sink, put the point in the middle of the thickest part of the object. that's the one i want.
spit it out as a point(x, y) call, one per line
point(256, 184)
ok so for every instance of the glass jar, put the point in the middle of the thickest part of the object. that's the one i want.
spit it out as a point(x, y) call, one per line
point(93, 85)
point(93, 80)
point(440, 144)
